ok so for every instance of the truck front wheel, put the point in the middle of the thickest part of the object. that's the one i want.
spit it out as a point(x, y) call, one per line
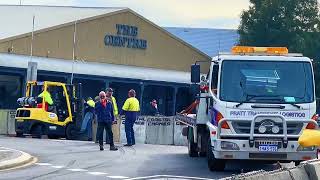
point(192, 147)
point(213, 163)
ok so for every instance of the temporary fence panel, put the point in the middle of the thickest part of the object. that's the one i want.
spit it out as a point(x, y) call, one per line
point(116, 130)
point(3, 121)
point(11, 123)
point(139, 130)
point(179, 140)
point(159, 130)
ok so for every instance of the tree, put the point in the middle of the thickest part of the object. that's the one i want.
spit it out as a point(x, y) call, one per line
point(291, 23)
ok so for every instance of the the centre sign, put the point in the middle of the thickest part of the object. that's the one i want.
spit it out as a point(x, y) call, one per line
point(126, 37)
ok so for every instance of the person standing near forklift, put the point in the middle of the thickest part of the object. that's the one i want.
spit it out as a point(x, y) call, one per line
point(109, 94)
point(88, 117)
point(131, 108)
point(105, 118)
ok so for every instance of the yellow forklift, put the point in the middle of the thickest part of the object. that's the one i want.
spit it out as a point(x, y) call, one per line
point(62, 119)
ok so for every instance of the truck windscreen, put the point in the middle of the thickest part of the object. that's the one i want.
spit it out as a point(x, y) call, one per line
point(266, 81)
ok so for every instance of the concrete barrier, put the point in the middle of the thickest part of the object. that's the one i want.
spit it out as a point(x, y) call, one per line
point(299, 173)
point(313, 169)
point(139, 130)
point(159, 130)
point(308, 170)
point(263, 175)
point(179, 140)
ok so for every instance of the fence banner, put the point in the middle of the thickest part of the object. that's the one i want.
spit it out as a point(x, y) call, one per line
point(139, 130)
point(179, 140)
point(159, 130)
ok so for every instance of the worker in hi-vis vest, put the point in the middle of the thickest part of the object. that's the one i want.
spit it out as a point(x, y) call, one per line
point(131, 109)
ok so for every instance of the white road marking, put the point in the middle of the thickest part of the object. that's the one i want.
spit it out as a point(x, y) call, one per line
point(117, 177)
point(58, 167)
point(167, 176)
point(4, 150)
point(43, 164)
point(97, 173)
point(77, 170)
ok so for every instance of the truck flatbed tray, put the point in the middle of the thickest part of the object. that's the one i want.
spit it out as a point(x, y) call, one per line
point(185, 119)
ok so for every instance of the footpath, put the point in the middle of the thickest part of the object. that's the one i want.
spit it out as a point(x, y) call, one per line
point(11, 158)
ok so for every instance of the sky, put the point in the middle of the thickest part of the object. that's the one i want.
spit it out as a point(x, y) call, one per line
point(167, 13)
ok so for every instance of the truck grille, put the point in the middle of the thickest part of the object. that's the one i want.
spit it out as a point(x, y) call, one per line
point(23, 113)
point(293, 128)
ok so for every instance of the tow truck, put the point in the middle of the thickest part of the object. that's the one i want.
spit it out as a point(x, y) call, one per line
point(61, 120)
point(253, 104)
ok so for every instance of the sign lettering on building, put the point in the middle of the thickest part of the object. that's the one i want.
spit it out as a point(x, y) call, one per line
point(126, 37)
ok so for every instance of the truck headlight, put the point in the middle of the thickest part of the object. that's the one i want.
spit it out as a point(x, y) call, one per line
point(229, 145)
point(311, 148)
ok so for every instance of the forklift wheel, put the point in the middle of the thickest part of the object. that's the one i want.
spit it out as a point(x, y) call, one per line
point(71, 131)
point(53, 136)
point(19, 134)
point(36, 131)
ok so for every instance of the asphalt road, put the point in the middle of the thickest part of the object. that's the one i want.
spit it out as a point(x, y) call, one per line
point(62, 159)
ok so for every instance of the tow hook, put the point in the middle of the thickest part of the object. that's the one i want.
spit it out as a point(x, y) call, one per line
point(285, 143)
point(251, 142)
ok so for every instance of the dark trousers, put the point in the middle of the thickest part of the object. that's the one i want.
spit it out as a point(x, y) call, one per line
point(128, 127)
point(108, 128)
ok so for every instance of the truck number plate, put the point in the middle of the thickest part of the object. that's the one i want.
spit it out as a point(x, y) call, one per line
point(269, 148)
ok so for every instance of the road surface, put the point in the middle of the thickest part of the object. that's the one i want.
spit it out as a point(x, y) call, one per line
point(63, 159)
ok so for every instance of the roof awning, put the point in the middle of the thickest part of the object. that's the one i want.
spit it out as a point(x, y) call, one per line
point(97, 69)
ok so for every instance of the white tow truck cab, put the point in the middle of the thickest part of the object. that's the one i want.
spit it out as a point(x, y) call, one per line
point(253, 105)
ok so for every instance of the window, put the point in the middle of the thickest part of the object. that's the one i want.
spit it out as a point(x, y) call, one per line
point(10, 91)
point(214, 79)
point(267, 82)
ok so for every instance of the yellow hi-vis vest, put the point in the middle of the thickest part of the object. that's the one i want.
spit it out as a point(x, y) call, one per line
point(46, 96)
point(91, 103)
point(115, 107)
point(131, 104)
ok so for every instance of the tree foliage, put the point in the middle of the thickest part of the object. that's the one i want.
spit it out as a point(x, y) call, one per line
point(291, 23)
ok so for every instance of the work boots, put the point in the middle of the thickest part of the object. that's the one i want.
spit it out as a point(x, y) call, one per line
point(113, 148)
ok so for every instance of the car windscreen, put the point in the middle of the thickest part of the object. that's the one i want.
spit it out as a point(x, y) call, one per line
point(266, 81)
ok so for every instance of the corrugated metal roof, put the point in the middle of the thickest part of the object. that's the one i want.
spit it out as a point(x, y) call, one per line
point(209, 41)
point(17, 20)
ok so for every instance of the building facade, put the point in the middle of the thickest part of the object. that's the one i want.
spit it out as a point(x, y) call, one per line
point(112, 47)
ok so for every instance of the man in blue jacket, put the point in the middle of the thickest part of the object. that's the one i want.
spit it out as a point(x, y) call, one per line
point(105, 118)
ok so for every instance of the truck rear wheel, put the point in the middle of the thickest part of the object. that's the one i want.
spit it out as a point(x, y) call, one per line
point(213, 163)
point(192, 147)
point(71, 131)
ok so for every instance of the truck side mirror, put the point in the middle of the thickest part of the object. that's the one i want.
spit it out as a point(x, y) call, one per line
point(195, 73)
point(195, 90)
